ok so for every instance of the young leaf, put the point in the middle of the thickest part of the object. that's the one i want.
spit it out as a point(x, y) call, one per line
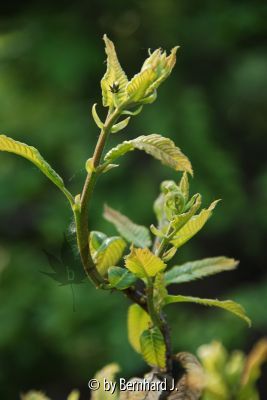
point(135, 234)
point(120, 278)
point(193, 226)
point(133, 113)
point(228, 305)
point(97, 120)
point(254, 361)
point(143, 263)
point(153, 348)
point(120, 125)
point(159, 147)
point(198, 269)
point(109, 253)
point(74, 395)
point(137, 88)
point(95, 240)
point(138, 322)
point(33, 395)
point(107, 373)
point(33, 155)
point(184, 186)
point(113, 76)
point(160, 292)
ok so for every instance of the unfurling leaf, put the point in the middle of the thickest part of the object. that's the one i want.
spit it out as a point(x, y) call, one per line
point(193, 226)
point(143, 263)
point(33, 155)
point(120, 278)
point(108, 373)
point(198, 269)
point(114, 82)
point(133, 233)
point(120, 125)
point(153, 348)
point(228, 305)
point(159, 147)
point(138, 322)
point(97, 120)
point(109, 253)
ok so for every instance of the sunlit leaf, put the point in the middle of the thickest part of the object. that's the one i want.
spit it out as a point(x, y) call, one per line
point(114, 75)
point(97, 120)
point(120, 278)
point(228, 305)
point(109, 253)
point(153, 348)
point(108, 373)
point(159, 147)
point(74, 395)
point(193, 226)
point(138, 322)
point(120, 125)
point(133, 233)
point(143, 263)
point(33, 155)
point(198, 269)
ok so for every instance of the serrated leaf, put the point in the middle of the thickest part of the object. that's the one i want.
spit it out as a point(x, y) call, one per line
point(228, 305)
point(138, 321)
point(33, 155)
point(159, 147)
point(120, 125)
point(198, 269)
point(108, 373)
point(120, 278)
point(138, 86)
point(109, 253)
point(143, 263)
point(113, 75)
point(193, 226)
point(133, 233)
point(153, 348)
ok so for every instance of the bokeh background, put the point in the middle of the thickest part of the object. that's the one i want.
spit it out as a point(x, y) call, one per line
point(214, 106)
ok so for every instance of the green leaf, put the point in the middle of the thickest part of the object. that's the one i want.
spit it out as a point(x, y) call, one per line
point(228, 305)
point(184, 186)
point(133, 113)
point(120, 278)
point(114, 75)
point(198, 269)
point(143, 263)
point(97, 120)
point(153, 348)
point(33, 155)
point(138, 322)
point(120, 125)
point(96, 239)
point(109, 253)
point(160, 291)
point(193, 226)
point(107, 373)
point(33, 395)
point(159, 147)
point(136, 234)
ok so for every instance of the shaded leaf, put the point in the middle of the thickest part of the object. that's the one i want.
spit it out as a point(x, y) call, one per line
point(138, 322)
point(153, 348)
point(133, 233)
point(120, 278)
point(198, 269)
point(228, 305)
point(33, 155)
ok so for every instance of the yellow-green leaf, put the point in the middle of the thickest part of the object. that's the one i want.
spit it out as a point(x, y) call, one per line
point(143, 263)
point(74, 395)
point(139, 85)
point(228, 305)
point(33, 155)
point(193, 226)
point(120, 278)
point(153, 348)
point(113, 76)
point(34, 395)
point(198, 269)
point(133, 233)
point(159, 147)
point(107, 373)
point(138, 322)
point(109, 253)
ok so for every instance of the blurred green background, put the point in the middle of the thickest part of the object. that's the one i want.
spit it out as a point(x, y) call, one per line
point(214, 106)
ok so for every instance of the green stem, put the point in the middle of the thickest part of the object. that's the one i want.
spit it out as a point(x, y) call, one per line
point(164, 243)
